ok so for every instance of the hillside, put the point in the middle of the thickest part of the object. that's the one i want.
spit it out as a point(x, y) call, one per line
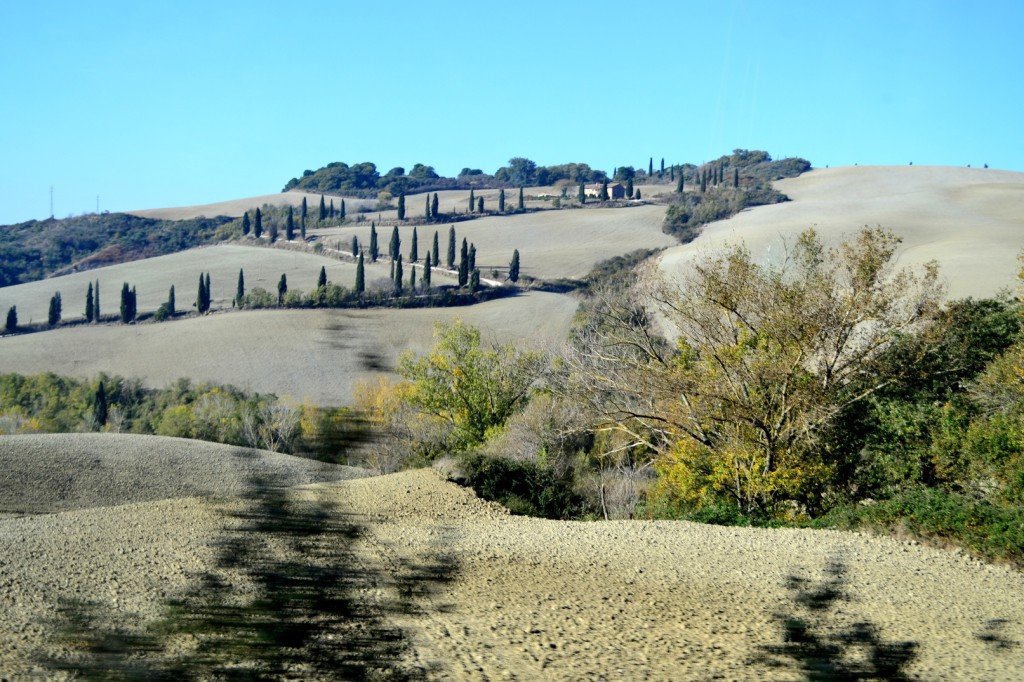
point(970, 220)
point(318, 354)
point(439, 584)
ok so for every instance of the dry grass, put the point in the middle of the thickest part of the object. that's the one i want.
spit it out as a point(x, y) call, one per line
point(970, 220)
point(318, 354)
point(236, 207)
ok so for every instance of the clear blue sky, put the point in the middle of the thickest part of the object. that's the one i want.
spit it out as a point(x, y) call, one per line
point(152, 104)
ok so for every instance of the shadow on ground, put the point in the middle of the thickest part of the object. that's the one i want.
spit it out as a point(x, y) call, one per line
point(291, 597)
point(815, 645)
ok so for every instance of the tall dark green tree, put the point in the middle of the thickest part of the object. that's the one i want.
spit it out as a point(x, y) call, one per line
point(650, 167)
point(474, 281)
point(472, 257)
point(246, 226)
point(126, 301)
point(426, 208)
point(341, 211)
point(273, 231)
point(303, 213)
point(434, 207)
point(171, 305)
point(501, 201)
point(680, 186)
point(412, 279)
point(401, 207)
point(398, 274)
point(133, 302)
point(395, 248)
point(257, 228)
point(479, 204)
point(582, 194)
point(355, 246)
point(414, 250)
point(522, 202)
point(629, 188)
point(330, 209)
point(513, 267)
point(661, 173)
point(282, 288)
point(99, 406)
point(451, 248)
point(374, 249)
point(289, 226)
point(637, 193)
point(53, 316)
point(11, 325)
point(735, 177)
point(200, 295)
point(435, 251)
point(472, 200)
point(209, 293)
point(360, 275)
point(464, 263)
point(603, 194)
point(672, 173)
point(323, 209)
point(321, 280)
point(90, 305)
point(96, 307)
point(426, 271)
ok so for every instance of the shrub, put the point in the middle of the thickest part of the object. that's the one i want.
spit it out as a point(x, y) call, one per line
point(524, 488)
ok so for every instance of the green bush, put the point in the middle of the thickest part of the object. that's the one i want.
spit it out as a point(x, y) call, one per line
point(524, 488)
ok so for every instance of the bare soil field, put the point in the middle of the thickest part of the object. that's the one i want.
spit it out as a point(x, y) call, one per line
point(315, 354)
point(970, 220)
point(552, 244)
point(48, 473)
point(153, 277)
point(236, 207)
point(437, 582)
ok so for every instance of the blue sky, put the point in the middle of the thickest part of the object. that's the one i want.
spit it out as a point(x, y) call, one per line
point(152, 104)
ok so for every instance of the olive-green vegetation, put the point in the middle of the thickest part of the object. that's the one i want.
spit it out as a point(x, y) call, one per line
point(47, 403)
point(40, 248)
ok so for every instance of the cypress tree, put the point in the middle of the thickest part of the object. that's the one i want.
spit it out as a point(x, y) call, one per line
point(321, 281)
point(501, 201)
point(480, 204)
point(426, 208)
point(99, 406)
point(582, 195)
point(258, 226)
point(522, 203)
point(355, 246)
point(513, 267)
point(133, 301)
point(426, 271)
point(463, 263)
point(401, 207)
point(672, 173)
point(436, 251)
point(396, 243)
point(472, 257)
point(392, 275)
point(679, 185)
point(650, 167)
point(302, 230)
point(170, 298)
point(451, 248)
point(637, 193)
point(246, 227)
point(323, 209)
point(603, 195)
point(398, 275)
point(360, 276)
point(629, 188)
point(703, 181)
point(341, 211)
point(273, 231)
point(125, 306)
point(374, 251)
point(90, 311)
point(200, 296)
point(53, 317)
point(11, 325)
point(289, 228)
point(303, 212)
point(412, 279)
point(661, 173)
point(97, 306)
point(330, 211)
point(472, 200)
point(434, 207)
point(735, 177)
point(282, 289)
point(414, 250)
point(209, 293)
point(474, 281)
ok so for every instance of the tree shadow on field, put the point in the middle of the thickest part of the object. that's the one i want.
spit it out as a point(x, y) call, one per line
point(290, 597)
point(820, 649)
